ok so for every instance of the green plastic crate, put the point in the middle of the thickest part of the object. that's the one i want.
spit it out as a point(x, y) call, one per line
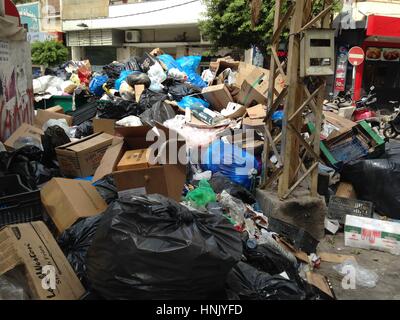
point(63, 101)
point(377, 148)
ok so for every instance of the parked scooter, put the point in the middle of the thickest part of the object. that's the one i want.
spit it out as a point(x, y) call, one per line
point(392, 128)
point(364, 111)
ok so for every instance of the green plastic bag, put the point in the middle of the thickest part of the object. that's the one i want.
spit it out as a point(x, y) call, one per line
point(202, 195)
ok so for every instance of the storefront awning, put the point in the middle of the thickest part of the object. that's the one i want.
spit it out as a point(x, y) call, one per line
point(383, 26)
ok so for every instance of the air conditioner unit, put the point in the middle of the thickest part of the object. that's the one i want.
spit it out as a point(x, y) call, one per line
point(132, 36)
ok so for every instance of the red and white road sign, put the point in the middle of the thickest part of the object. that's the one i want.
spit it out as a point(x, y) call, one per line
point(356, 56)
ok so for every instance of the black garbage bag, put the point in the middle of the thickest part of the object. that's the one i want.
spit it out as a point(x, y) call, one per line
point(84, 129)
point(266, 258)
point(138, 78)
point(179, 90)
point(165, 251)
point(107, 189)
point(149, 98)
point(53, 137)
point(377, 181)
point(247, 283)
point(26, 162)
point(220, 183)
point(132, 65)
point(159, 112)
point(75, 242)
point(117, 109)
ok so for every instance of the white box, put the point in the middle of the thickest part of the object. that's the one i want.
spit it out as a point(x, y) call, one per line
point(367, 233)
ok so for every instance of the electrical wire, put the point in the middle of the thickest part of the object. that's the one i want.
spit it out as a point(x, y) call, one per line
point(122, 16)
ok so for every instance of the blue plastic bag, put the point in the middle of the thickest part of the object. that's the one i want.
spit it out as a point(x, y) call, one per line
point(122, 78)
point(231, 161)
point(96, 85)
point(189, 65)
point(191, 102)
point(169, 62)
point(277, 117)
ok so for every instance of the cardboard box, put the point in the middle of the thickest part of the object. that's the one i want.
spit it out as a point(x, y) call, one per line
point(367, 233)
point(134, 159)
point(257, 112)
point(82, 158)
point(57, 109)
point(104, 125)
point(166, 179)
point(346, 190)
point(25, 130)
point(42, 116)
point(139, 89)
point(254, 88)
point(253, 124)
point(67, 200)
point(218, 96)
point(32, 246)
point(339, 124)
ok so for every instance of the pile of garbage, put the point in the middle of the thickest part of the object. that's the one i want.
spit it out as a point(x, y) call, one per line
point(124, 223)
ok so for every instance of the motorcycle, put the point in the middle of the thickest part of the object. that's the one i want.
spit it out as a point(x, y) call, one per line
point(392, 128)
point(364, 111)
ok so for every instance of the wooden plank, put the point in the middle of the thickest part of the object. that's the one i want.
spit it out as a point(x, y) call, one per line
point(290, 144)
point(318, 17)
point(271, 141)
point(320, 282)
point(276, 103)
point(283, 23)
point(297, 183)
point(335, 258)
point(304, 142)
point(275, 176)
point(278, 63)
point(305, 103)
point(317, 139)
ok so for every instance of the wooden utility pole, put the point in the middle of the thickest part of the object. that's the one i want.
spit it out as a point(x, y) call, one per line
point(294, 147)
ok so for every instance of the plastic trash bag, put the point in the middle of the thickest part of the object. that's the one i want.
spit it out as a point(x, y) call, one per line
point(10, 290)
point(62, 123)
point(377, 181)
point(364, 277)
point(75, 242)
point(202, 195)
point(220, 183)
point(189, 65)
point(124, 74)
point(84, 75)
point(107, 189)
point(132, 65)
point(96, 85)
point(179, 90)
point(84, 129)
point(127, 92)
point(157, 76)
point(191, 103)
point(131, 121)
point(247, 283)
point(165, 251)
point(235, 207)
point(169, 61)
point(53, 137)
point(159, 112)
point(176, 74)
point(233, 162)
point(27, 141)
point(117, 109)
point(149, 98)
point(138, 78)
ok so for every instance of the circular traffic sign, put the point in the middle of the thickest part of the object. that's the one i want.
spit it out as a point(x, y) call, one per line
point(356, 56)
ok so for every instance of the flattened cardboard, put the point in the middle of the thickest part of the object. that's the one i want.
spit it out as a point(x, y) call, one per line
point(257, 112)
point(218, 96)
point(32, 245)
point(25, 130)
point(67, 200)
point(57, 109)
point(104, 125)
point(167, 179)
point(43, 116)
point(82, 158)
point(253, 124)
point(139, 88)
point(335, 258)
point(343, 125)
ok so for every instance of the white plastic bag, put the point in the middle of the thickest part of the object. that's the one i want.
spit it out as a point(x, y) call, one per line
point(157, 77)
point(131, 121)
point(70, 132)
point(363, 277)
point(236, 207)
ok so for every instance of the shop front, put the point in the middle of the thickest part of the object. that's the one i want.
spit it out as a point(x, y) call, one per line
point(381, 67)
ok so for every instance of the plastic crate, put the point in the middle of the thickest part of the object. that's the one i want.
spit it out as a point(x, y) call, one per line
point(18, 204)
point(340, 207)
